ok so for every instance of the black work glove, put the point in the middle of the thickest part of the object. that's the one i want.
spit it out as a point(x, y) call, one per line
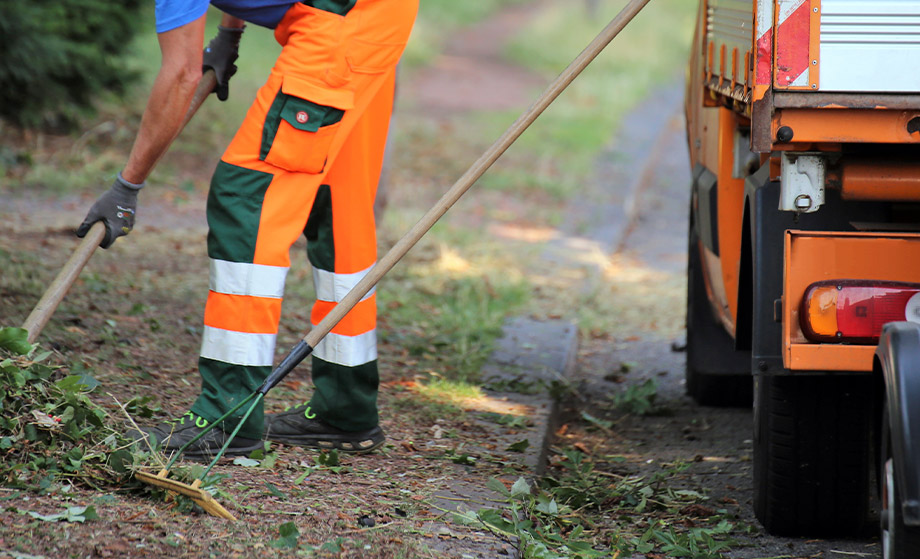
point(220, 55)
point(115, 209)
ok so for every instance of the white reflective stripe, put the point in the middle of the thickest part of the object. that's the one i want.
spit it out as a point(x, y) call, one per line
point(764, 17)
point(786, 8)
point(333, 287)
point(801, 80)
point(240, 278)
point(349, 351)
point(239, 348)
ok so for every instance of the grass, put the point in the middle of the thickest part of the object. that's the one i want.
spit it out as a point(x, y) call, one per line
point(432, 398)
point(633, 297)
point(446, 305)
point(649, 52)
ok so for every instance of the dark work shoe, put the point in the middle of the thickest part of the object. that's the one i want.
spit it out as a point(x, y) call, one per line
point(171, 435)
point(298, 426)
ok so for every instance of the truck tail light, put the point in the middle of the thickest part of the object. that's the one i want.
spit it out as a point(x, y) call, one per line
point(853, 311)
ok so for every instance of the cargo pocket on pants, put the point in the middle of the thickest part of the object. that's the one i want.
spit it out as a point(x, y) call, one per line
point(301, 125)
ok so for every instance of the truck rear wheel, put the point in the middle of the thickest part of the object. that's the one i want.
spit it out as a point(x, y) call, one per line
point(812, 453)
point(898, 540)
point(717, 374)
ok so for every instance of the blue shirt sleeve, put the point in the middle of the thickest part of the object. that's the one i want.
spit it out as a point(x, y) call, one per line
point(171, 14)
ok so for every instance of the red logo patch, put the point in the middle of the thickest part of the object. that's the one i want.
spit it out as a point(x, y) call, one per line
point(302, 117)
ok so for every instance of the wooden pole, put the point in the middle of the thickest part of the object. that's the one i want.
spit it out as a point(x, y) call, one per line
point(395, 254)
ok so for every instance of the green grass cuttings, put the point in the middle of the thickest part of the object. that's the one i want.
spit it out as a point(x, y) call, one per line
point(52, 433)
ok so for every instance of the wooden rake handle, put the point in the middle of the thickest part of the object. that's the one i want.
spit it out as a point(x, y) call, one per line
point(55, 293)
point(395, 254)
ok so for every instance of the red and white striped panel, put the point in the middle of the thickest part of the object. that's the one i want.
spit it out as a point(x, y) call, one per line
point(793, 25)
point(764, 33)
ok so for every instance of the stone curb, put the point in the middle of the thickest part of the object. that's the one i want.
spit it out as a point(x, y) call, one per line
point(528, 360)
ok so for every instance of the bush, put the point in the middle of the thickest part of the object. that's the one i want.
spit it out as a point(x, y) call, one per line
point(58, 55)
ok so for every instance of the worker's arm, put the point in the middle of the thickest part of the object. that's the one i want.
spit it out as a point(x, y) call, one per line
point(228, 20)
point(170, 97)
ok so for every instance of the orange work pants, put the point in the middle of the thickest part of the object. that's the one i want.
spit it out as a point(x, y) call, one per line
point(305, 161)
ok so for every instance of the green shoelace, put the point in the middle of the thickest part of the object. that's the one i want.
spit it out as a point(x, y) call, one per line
point(306, 413)
point(200, 422)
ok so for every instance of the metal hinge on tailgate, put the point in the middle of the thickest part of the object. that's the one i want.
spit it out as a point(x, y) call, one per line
point(802, 182)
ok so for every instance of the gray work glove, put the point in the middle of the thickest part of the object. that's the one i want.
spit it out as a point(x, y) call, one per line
point(115, 209)
point(220, 55)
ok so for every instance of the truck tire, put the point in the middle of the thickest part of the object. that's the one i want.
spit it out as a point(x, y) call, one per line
point(898, 540)
point(812, 453)
point(716, 373)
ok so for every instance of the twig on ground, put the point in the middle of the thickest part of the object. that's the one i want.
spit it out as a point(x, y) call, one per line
point(156, 455)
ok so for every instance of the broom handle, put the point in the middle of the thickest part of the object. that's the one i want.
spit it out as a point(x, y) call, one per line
point(55, 293)
point(395, 254)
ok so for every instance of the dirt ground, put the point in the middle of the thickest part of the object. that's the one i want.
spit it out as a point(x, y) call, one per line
point(150, 349)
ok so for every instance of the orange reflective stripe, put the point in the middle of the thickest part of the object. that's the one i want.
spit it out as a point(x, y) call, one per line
point(360, 320)
point(241, 313)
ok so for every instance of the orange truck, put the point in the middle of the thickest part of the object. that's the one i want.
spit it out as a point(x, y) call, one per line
point(803, 125)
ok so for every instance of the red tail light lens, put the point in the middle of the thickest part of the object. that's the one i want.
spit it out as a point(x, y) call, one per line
point(853, 311)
